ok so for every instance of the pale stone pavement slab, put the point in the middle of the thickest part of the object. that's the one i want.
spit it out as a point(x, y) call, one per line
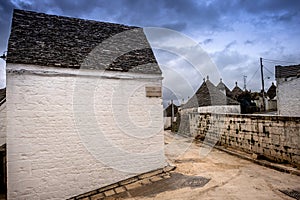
point(229, 177)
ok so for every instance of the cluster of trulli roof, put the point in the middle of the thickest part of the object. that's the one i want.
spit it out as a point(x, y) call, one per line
point(209, 95)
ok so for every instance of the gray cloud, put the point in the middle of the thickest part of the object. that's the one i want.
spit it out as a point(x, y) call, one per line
point(5, 18)
point(228, 58)
point(176, 26)
point(205, 18)
point(286, 17)
point(267, 6)
point(231, 44)
point(249, 42)
point(207, 41)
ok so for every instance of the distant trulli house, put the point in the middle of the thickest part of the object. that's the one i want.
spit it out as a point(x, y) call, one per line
point(271, 92)
point(223, 88)
point(170, 114)
point(208, 98)
point(271, 104)
point(236, 91)
point(288, 93)
point(83, 106)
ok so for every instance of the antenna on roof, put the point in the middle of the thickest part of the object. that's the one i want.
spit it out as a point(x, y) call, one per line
point(245, 82)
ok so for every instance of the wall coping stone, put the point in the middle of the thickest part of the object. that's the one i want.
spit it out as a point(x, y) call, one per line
point(255, 116)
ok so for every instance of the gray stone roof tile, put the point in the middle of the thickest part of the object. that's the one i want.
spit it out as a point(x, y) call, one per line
point(236, 91)
point(58, 41)
point(287, 71)
point(2, 95)
point(222, 86)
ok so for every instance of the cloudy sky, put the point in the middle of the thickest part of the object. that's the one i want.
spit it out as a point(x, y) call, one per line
point(234, 33)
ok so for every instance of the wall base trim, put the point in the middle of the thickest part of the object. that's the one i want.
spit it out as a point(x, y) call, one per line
point(127, 184)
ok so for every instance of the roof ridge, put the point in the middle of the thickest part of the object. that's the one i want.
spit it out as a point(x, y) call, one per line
point(16, 10)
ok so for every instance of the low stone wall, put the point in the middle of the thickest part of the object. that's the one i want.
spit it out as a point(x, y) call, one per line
point(275, 137)
point(184, 127)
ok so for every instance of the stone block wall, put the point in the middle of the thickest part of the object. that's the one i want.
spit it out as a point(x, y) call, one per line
point(188, 122)
point(70, 131)
point(275, 137)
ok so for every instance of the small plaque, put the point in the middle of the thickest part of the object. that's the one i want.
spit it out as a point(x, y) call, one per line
point(153, 91)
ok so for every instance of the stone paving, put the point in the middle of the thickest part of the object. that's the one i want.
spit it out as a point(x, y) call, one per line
point(127, 185)
point(202, 173)
point(217, 175)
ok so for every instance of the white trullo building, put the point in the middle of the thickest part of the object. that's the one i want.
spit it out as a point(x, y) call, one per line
point(84, 106)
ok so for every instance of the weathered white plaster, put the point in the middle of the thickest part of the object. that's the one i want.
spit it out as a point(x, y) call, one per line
point(2, 124)
point(220, 109)
point(288, 96)
point(168, 122)
point(68, 134)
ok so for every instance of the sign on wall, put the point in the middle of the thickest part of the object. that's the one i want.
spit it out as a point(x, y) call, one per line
point(153, 91)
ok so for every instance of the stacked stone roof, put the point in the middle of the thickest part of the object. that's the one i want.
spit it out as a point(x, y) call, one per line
point(57, 41)
point(2, 95)
point(287, 71)
point(272, 91)
point(221, 86)
point(209, 95)
point(236, 91)
point(168, 110)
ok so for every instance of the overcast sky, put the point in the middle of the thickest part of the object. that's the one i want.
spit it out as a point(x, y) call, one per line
point(234, 33)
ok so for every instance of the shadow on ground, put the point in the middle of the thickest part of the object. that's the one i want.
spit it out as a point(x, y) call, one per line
point(176, 181)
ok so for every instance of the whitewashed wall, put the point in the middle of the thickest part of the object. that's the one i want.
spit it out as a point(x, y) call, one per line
point(288, 97)
point(2, 124)
point(69, 134)
point(214, 109)
point(168, 122)
point(271, 104)
point(220, 109)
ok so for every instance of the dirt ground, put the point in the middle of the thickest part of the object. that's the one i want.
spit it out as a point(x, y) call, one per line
point(216, 175)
